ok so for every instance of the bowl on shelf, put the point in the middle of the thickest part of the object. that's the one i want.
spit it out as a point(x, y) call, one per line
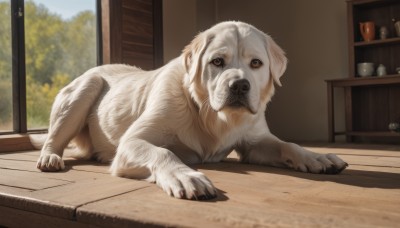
point(365, 69)
point(398, 70)
point(394, 127)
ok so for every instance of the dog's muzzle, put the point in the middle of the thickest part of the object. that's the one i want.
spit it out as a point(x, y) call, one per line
point(238, 93)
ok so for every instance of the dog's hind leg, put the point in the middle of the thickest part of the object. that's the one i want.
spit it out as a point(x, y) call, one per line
point(68, 117)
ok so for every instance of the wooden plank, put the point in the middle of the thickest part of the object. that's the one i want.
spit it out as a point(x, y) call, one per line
point(29, 164)
point(249, 195)
point(18, 165)
point(23, 201)
point(394, 40)
point(70, 175)
point(28, 180)
point(394, 105)
point(15, 142)
point(23, 160)
point(62, 200)
point(373, 161)
point(373, 133)
point(260, 196)
point(355, 149)
point(331, 113)
point(20, 156)
point(90, 190)
point(13, 190)
point(385, 80)
point(348, 111)
point(379, 169)
point(11, 217)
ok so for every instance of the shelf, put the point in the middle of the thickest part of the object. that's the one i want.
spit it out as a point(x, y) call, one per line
point(370, 103)
point(393, 40)
point(369, 3)
point(365, 81)
point(370, 133)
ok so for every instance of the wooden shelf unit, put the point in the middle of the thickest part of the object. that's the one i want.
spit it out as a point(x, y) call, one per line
point(371, 103)
point(393, 40)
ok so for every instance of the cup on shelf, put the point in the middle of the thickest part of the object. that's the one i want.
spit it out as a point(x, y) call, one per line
point(365, 69)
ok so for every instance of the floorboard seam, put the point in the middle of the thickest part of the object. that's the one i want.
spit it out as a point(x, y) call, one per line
point(367, 155)
point(104, 198)
point(12, 159)
point(31, 171)
point(381, 166)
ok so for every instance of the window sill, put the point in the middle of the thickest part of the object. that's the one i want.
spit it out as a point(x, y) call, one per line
point(15, 142)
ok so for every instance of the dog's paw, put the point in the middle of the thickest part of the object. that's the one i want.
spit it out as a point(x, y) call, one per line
point(320, 163)
point(185, 183)
point(50, 163)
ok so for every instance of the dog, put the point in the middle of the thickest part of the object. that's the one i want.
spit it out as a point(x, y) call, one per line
point(198, 108)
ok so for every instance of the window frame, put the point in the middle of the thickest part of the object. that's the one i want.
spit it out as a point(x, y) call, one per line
point(19, 115)
point(108, 13)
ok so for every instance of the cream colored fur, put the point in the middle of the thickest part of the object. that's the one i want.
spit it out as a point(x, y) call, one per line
point(152, 124)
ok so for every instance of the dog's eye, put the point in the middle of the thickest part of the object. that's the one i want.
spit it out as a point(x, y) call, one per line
point(218, 62)
point(255, 63)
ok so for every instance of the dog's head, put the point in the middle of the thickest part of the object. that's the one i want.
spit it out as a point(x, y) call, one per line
point(232, 67)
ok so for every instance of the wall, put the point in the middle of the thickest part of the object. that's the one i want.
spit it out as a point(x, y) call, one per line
point(183, 19)
point(179, 21)
point(312, 32)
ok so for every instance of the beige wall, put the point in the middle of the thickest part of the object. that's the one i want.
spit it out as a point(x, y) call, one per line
point(179, 21)
point(312, 32)
point(183, 19)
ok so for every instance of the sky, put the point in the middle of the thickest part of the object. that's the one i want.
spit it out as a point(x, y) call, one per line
point(68, 8)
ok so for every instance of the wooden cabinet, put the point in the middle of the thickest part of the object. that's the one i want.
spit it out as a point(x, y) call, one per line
point(371, 102)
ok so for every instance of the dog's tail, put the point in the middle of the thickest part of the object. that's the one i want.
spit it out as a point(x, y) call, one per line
point(72, 150)
point(37, 140)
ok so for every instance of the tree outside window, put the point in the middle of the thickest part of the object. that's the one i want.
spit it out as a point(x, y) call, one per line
point(57, 50)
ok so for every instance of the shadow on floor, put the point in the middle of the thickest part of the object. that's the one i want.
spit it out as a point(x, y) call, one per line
point(359, 178)
point(355, 146)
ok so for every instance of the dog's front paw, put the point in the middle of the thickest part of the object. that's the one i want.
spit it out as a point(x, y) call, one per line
point(50, 163)
point(331, 164)
point(185, 183)
point(320, 163)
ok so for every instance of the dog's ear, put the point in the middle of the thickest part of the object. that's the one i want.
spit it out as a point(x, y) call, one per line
point(193, 53)
point(277, 59)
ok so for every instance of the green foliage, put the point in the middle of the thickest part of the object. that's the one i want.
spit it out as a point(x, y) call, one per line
point(40, 97)
point(5, 104)
point(5, 67)
point(56, 52)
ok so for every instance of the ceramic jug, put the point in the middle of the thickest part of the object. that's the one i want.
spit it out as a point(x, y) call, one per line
point(367, 30)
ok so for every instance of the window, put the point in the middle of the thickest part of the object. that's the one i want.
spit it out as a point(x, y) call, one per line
point(43, 46)
point(5, 68)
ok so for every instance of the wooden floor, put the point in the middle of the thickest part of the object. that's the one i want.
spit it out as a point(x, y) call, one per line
point(367, 194)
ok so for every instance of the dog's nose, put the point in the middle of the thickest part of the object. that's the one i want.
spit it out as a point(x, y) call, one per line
point(240, 87)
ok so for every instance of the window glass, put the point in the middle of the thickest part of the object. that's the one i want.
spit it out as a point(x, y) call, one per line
point(60, 45)
point(6, 124)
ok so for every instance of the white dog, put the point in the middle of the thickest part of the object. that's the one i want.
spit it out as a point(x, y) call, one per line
point(196, 109)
